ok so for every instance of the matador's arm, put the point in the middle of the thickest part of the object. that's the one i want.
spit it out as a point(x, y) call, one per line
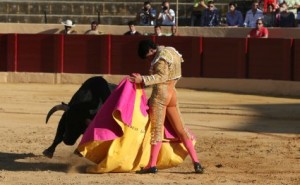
point(160, 73)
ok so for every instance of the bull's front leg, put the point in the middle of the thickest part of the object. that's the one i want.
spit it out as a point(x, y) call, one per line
point(49, 152)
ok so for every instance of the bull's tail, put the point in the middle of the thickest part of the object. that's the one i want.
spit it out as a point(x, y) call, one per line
point(63, 106)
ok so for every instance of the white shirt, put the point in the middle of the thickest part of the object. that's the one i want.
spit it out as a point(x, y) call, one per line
point(165, 18)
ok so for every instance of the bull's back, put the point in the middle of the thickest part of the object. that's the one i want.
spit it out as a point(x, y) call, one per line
point(92, 90)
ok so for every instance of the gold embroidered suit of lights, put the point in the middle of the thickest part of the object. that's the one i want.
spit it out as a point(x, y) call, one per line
point(164, 72)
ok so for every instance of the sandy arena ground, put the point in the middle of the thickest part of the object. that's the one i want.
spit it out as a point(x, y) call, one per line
point(241, 139)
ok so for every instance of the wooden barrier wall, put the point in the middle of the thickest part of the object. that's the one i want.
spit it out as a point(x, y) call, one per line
point(296, 60)
point(239, 58)
point(190, 48)
point(35, 53)
point(124, 55)
point(270, 59)
point(224, 58)
point(3, 52)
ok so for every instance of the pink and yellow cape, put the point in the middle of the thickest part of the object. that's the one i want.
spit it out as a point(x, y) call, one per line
point(118, 138)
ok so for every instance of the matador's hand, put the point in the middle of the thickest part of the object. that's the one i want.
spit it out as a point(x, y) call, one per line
point(136, 78)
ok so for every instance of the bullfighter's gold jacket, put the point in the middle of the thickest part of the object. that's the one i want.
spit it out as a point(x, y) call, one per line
point(165, 66)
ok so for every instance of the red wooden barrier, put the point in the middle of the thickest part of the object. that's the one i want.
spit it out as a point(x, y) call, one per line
point(12, 52)
point(190, 48)
point(3, 52)
point(85, 54)
point(296, 60)
point(124, 56)
point(208, 57)
point(224, 57)
point(37, 53)
point(269, 59)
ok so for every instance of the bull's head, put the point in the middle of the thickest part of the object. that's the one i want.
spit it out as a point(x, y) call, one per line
point(73, 121)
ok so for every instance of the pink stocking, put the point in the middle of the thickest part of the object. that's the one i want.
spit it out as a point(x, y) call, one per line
point(190, 148)
point(175, 120)
point(155, 148)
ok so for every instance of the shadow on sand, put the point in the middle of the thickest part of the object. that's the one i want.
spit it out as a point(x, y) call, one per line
point(258, 118)
point(14, 162)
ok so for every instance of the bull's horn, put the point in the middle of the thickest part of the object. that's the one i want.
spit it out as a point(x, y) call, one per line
point(62, 106)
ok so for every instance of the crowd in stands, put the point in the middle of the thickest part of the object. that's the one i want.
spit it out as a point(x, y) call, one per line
point(261, 14)
point(274, 13)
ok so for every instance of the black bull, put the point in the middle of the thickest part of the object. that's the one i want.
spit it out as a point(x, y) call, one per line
point(79, 111)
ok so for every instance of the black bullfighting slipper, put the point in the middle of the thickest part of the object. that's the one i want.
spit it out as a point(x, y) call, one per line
point(198, 168)
point(76, 152)
point(148, 170)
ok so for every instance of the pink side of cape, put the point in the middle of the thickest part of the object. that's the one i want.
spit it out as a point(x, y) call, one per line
point(122, 99)
point(103, 126)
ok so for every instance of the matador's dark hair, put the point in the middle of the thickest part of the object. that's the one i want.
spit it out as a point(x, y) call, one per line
point(144, 47)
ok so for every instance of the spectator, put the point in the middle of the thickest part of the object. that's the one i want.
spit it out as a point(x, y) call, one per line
point(298, 15)
point(167, 15)
point(157, 31)
point(132, 30)
point(261, 5)
point(252, 15)
point(297, 6)
point(270, 16)
point(268, 2)
point(174, 31)
point(285, 18)
point(199, 6)
point(291, 5)
point(94, 29)
point(211, 16)
point(68, 25)
point(146, 16)
point(234, 18)
point(260, 31)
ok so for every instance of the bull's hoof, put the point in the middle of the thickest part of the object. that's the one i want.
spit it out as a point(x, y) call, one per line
point(48, 154)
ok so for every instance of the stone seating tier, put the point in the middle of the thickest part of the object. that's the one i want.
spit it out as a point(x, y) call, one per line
point(82, 12)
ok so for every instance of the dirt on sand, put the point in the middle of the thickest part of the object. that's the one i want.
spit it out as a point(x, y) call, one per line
point(241, 139)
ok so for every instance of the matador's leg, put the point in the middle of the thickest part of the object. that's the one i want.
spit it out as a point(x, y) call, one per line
point(175, 120)
point(157, 114)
